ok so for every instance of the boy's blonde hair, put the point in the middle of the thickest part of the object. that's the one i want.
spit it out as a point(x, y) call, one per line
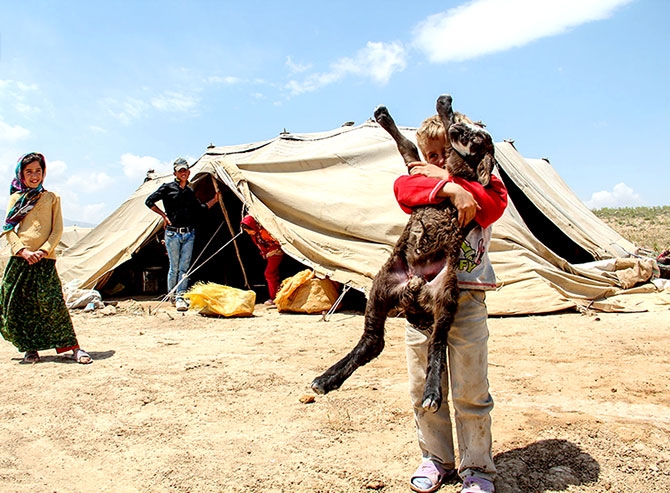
point(432, 129)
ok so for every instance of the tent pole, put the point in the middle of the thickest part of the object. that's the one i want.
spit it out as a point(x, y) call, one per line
point(232, 231)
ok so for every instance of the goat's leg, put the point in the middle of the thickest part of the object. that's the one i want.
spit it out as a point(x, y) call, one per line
point(384, 295)
point(407, 149)
point(444, 289)
point(445, 111)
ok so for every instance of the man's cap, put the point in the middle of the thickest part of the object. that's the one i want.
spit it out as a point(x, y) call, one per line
point(180, 163)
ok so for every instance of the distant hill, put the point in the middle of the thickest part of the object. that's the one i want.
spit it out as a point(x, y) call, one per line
point(70, 222)
point(647, 227)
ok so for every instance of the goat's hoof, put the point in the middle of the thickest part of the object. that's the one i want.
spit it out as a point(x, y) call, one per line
point(318, 388)
point(444, 103)
point(381, 111)
point(431, 404)
point(383, 117)
point(322, 386)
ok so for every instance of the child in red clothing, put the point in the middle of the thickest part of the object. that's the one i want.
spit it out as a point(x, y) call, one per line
point(430, 183)
point(270, 250)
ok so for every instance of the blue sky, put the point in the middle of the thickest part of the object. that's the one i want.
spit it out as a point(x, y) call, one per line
point(107, 90)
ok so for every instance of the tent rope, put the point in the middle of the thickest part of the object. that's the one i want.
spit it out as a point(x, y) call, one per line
point(326, 316)
point(203, 251)
point(194, 269)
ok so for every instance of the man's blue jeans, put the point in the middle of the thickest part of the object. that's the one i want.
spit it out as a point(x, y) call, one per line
point(180, 250)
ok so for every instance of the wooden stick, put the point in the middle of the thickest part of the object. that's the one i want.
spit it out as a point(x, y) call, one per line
point(232, 231)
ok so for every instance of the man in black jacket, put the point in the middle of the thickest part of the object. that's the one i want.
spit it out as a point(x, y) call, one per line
point(181, 209)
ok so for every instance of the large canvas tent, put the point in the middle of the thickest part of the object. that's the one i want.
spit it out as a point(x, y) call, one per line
point(327, 197)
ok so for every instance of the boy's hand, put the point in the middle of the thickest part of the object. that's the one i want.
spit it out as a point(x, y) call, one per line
point(463, 201)
point(429, 170)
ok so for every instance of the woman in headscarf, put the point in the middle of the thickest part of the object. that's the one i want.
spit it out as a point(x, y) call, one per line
point(33, 314)
point(270, 250)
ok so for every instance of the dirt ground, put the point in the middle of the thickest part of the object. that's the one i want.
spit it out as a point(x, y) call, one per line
point(183, 403)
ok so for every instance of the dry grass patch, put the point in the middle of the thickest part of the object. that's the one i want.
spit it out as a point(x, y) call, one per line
point(647, 227)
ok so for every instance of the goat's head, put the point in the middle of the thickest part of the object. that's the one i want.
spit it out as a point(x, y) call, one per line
point(472, 155)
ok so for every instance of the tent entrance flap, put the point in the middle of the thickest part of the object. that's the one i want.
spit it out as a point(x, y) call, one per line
point(542, 227)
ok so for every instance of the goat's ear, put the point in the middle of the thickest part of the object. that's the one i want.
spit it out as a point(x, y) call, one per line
point(485, 168)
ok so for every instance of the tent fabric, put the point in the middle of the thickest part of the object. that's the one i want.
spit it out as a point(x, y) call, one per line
point(71, 235)
point(327, 197)
point(113, 241)
point(546, 189)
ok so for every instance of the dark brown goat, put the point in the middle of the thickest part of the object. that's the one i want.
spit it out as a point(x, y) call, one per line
point(420, 276)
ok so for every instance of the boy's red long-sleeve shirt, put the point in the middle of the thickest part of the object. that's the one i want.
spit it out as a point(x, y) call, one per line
point(474, 269)
point(416, 190)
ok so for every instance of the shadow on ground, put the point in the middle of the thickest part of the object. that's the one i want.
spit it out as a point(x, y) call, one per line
point(546, 465)
point(67, 357)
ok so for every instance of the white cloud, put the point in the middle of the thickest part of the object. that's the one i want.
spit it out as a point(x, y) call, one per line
point(27, 109)
point(133, 109)
point(13, 87)
point(481, 27)
point(14, 93)
point(23, 87)
point(228, 80)
point(90, 182)
point(620, 196)
point(56, 169)
point(125, 111)
point(82, 213)
point(92, 213)
point(297, 67)
point(174, 101)
point(476, 28)
point(8, 158)
point(12, 133)
point(312, 83)
point(136, 167)
point(377, 61)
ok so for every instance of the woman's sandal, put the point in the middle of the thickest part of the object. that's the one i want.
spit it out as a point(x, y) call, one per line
point(429, 477)
point(30, 358)
point(82, 357)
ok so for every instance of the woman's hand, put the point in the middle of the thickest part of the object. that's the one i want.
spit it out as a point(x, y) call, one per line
point(32, 257)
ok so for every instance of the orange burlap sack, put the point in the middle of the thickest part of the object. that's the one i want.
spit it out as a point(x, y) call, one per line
point(216, 300)
point(304, 293)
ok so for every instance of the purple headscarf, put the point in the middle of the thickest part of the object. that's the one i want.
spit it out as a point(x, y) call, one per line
point(29, 196)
